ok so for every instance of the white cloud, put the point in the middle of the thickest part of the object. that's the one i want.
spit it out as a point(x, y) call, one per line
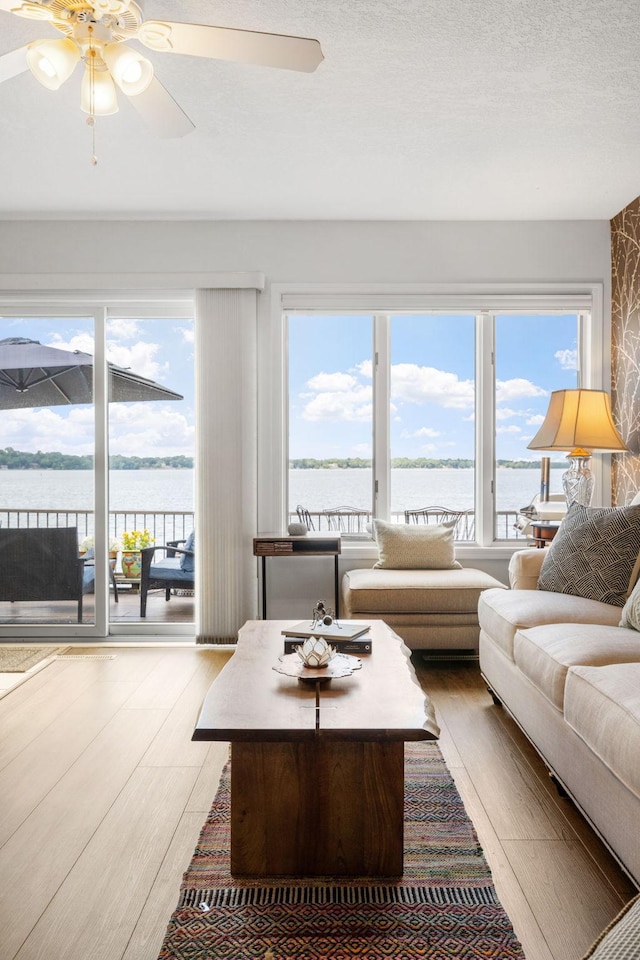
point(512, 428)
point(568, 359)
point(149, 429)
point(332, 382)
point(411, 383)
point(139, 357)
point(505, 413)
point(341, 405)
point(516, 389)
point(535, 420)
point(123, 328)
point(137, 429)
point(365, 369)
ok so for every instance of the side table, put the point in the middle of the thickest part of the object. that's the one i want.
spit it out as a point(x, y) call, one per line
point(543, 533)
point(311, 545)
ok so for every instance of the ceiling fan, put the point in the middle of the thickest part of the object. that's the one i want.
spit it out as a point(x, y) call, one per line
point(97, 32)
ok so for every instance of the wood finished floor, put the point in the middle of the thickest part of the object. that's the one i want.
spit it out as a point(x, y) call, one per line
point(103, 794)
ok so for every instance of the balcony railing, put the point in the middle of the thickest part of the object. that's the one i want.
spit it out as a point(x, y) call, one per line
point(178, 524)
point(163, 526)
point(354, 523)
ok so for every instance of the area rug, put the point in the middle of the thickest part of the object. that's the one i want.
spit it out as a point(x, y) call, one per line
point(443, 906)
point(21, 659)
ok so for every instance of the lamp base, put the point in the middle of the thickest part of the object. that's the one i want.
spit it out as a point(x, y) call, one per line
point(578, 481)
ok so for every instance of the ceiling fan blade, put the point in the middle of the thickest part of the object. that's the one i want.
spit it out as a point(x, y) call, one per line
point(160, 112)
point(225, 43)
point(13, 63)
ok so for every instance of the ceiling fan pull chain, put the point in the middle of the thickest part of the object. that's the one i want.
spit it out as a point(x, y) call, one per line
point(91, 119)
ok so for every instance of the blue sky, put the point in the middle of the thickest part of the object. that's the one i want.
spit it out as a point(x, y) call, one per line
point(161, 350)
point(432, 383)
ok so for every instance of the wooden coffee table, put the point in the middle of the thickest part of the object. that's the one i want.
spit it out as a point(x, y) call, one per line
point(317, 769)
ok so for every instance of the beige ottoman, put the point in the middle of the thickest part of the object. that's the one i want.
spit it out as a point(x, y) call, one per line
point(429, 609)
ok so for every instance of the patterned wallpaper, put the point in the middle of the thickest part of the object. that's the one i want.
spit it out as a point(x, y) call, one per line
point(625, 348)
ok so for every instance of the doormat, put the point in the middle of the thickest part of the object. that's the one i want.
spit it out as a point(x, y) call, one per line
point(21, 659)
point(444, 905)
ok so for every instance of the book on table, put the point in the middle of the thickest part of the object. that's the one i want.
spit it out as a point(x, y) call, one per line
point(347, 636)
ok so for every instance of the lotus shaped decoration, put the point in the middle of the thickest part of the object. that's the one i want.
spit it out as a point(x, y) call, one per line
point(316, 652)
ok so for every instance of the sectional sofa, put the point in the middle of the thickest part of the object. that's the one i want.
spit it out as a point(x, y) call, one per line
point(561, 664)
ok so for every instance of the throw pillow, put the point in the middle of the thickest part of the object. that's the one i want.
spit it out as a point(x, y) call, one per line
point(407, 547)
point(187, 561)
point(621, 938)
point(630, 616)
point(594, 554)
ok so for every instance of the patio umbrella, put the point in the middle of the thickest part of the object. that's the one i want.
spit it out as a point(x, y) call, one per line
point(32, 375)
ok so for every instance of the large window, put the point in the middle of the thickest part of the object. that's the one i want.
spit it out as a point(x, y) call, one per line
point(395, 414)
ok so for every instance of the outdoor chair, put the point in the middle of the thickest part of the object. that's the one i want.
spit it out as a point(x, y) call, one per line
point(89, 575)
point(305, 517)
point(347, 519)
point(443, 515)
point(174, 571)
point(40, 564)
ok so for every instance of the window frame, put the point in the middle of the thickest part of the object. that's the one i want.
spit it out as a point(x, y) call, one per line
point(485, 301)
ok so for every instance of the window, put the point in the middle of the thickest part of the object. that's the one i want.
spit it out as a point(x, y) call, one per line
point(393, 412)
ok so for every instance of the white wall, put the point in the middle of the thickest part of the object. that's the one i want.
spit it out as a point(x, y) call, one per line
point(319, 251)
point(35, 254)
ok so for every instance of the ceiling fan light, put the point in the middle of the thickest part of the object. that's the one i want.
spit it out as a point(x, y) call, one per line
point(52, 61)
point(98, 93)
point(131, 71)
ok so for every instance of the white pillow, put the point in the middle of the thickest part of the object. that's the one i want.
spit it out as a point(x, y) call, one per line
point(404, 546)
point(630, 616)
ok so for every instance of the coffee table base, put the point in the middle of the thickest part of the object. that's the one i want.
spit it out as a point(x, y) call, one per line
point(316, 808)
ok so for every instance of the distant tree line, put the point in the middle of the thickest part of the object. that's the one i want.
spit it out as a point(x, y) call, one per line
point(401, 463)
point(20, 460)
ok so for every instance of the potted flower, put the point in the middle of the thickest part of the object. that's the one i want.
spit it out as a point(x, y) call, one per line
point(133, 541)
point(88, 544)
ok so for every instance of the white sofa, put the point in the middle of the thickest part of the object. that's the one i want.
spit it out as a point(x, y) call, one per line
point(570, 676)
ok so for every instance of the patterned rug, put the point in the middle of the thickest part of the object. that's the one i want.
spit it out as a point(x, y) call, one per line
point(443, 906)
point(21, 659)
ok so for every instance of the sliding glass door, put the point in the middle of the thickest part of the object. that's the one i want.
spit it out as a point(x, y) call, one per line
point(96, 461)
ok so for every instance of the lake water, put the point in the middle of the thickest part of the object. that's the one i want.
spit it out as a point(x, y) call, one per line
point(167, 490)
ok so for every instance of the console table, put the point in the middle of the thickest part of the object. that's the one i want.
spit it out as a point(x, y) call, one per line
point(311, 545)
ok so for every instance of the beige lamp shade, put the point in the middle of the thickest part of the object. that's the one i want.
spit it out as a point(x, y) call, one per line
point(578, 421)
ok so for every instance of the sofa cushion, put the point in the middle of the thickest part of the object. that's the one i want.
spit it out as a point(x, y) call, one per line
point(602, 705)
point(594, 554)
point(381, 592)
point(502, 612)
point(621, 939)
point(544, 654)
point(404, 546)
point(187, 560)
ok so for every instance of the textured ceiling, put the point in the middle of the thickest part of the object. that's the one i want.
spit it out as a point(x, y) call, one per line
point(455, 110)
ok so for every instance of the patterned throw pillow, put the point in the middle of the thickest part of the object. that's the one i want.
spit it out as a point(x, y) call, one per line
point(621, 940)
point(594, 554)
point(406, 547)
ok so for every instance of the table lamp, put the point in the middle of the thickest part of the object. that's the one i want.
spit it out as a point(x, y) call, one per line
point(579, 421)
